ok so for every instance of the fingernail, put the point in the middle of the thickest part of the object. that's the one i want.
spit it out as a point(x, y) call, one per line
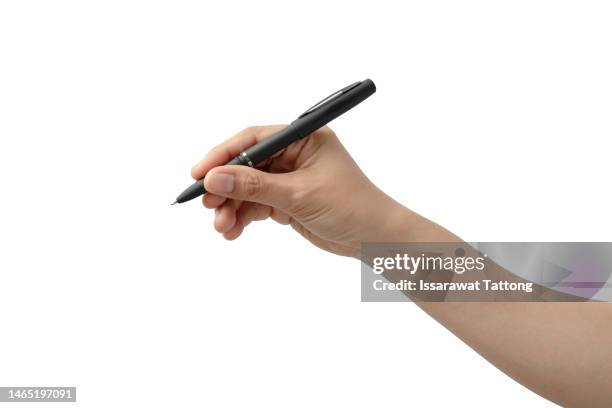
point(220, 183)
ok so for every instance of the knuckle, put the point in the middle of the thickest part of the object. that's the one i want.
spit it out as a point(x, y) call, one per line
point(326, 130)
point(250, 130)
point(252, 185)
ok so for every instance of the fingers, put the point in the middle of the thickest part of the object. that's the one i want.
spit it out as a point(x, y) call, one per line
point(280, 216)
point(211, 200)
point(225, 216)
point(248, 184)
point(234, 233)
point(229, 149)
point(252, 212)
point(234, 216)
point(240, 194)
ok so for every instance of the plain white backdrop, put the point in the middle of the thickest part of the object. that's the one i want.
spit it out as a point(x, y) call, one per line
point(491, 118)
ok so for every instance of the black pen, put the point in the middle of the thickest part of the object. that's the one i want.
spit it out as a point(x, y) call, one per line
point(314, 118)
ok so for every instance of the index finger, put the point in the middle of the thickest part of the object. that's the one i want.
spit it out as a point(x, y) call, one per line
point(233, 146)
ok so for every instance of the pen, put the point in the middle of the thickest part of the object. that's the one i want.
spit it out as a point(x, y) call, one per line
point(314, 118)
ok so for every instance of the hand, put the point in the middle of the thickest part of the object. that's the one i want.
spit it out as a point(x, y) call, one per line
point(313, 185)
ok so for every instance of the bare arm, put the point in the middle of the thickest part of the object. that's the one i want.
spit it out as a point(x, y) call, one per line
point(559, 350)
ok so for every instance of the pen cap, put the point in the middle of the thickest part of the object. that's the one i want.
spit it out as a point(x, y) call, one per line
point(335, 105)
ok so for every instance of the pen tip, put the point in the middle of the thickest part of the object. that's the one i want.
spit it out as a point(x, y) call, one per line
point(174, 203)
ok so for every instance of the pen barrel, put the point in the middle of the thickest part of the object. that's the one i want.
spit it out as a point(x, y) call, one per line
point(310, 121)
point(274, 143)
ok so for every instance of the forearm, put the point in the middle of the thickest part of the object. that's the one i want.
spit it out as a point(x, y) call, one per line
point(559, 350)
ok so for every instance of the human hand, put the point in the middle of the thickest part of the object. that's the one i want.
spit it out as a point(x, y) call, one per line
point(313, 185)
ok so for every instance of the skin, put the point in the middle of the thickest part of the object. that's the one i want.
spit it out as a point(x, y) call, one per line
point(559, 350)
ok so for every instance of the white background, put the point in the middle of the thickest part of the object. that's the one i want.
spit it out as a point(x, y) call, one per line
point(491, 118)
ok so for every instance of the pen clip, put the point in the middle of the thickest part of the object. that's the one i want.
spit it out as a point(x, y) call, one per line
point(328, 99)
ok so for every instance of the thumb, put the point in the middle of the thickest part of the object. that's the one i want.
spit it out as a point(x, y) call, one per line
point(249, 184)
